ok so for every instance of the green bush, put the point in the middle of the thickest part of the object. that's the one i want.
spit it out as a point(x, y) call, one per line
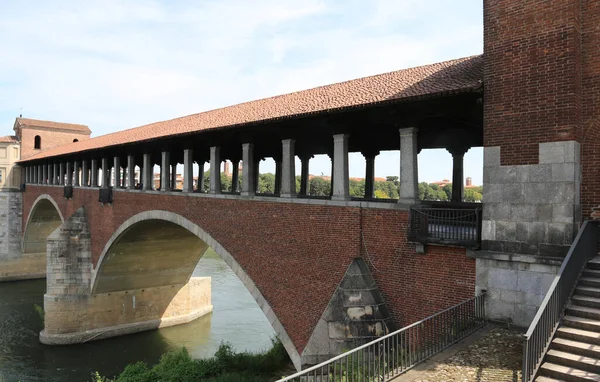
point(226, 365)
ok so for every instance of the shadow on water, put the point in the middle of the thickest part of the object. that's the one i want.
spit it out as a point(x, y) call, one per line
point(236, 319)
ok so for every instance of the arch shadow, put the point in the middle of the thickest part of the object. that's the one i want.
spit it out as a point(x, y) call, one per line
point(44, 217)
point(169, 247)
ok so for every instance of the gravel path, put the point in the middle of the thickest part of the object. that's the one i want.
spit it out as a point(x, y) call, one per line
point(494, 357)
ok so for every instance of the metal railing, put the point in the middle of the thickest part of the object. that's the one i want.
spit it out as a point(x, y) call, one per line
point(459, 226)
point(397, 352)
point(546, 321)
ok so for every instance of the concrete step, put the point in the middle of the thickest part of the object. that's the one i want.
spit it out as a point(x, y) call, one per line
point(583, 311)
point(576, 347)
point(564, 373)
point(591, 302)
point(582, 323)
point(578, 335)
point(590, 272)
point(576, 361)
point(594, 263)
point(589, 281)
point(588, 291)
point(546, 379)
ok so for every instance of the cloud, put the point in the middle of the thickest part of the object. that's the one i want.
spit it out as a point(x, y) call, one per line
point(115, 65)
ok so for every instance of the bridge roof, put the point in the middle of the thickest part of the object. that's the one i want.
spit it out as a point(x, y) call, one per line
point(423, 82)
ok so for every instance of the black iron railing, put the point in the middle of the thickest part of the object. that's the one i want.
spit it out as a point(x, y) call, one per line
point(541, 331)
point(457, 226)
point(397, 352)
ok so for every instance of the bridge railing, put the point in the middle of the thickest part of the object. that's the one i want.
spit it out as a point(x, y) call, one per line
point(397, 352)
point(545, 323)
point(446, 225)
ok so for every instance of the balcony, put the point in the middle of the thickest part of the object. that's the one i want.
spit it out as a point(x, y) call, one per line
point(446, 224)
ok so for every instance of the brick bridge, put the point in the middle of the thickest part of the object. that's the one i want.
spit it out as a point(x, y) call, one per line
point(330, 272)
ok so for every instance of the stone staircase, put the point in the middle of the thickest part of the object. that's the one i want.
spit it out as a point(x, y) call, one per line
point(574, 353)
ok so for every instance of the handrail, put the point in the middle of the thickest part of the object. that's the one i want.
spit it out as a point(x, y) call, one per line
point(538, 337)
point(397, 352)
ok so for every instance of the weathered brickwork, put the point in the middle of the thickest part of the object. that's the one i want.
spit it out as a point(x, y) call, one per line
point(532, 76)
point(542, 83)
point(296, 254)
point(590, 138)
point(49, 139)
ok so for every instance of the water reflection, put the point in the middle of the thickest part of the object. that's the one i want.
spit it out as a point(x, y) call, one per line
point(236, 319)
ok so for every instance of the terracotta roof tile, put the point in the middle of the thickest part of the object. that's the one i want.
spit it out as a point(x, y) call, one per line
point(455, 76)
point(52, 125)
point(9, 139)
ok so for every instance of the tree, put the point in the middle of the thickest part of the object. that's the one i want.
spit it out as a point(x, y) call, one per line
point(472, 196)
point(319, 186)
point(448, 190)
point(266, 183)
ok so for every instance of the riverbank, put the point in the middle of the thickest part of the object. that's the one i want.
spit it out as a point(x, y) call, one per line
point(225, 366)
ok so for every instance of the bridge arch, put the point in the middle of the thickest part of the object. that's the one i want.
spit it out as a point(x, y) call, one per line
point(44, 217)
point(162, 233)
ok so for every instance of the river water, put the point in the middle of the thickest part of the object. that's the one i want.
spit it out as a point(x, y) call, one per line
point(236, 319)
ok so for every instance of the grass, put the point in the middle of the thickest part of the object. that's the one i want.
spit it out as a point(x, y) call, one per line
point(225, 366)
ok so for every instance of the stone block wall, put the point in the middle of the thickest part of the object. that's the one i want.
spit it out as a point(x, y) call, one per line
point(11, 212)
point(532, 209)
point(356, 314)
point(516, 286)
point(74, 315)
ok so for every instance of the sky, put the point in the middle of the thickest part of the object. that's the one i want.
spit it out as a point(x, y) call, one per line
point(114, 65)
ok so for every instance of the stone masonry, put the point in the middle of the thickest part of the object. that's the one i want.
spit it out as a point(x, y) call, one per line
point(532, 209)
point(356, 314)
point(74, 315)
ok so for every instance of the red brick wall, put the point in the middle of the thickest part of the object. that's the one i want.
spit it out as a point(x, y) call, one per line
point(590, 148)
point(532, 75)
point(50, 138)
point(296, 253)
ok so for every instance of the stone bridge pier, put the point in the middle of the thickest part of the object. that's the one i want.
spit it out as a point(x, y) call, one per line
point(135, 290)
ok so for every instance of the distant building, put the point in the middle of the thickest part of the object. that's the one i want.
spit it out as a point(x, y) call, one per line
point(32, 136)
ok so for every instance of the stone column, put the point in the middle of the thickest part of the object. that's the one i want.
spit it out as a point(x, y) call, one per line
point(50, 174)
point(85, 174)
point(61, 173)
point(370, 172)
point(409, 173)
point(457, 175)
point(288, 164)
point(277, 190)
point(331, 178)
point(94, 173)
point(130, 172)
point(248, 170)
point(340, 168)
point(201, 176)
point(215, 170)
point(76, 173)
point(124, 177)
point(235, 173)
point(117, 171)
point(147, 172)
point(174, 176)
point(69, 173)
point(44, 174)
point(105, 173)
point(304, 160)
point(165, 168)
point(188, 170)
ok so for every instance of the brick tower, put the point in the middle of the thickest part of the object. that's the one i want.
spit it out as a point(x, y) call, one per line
point(541, 144)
